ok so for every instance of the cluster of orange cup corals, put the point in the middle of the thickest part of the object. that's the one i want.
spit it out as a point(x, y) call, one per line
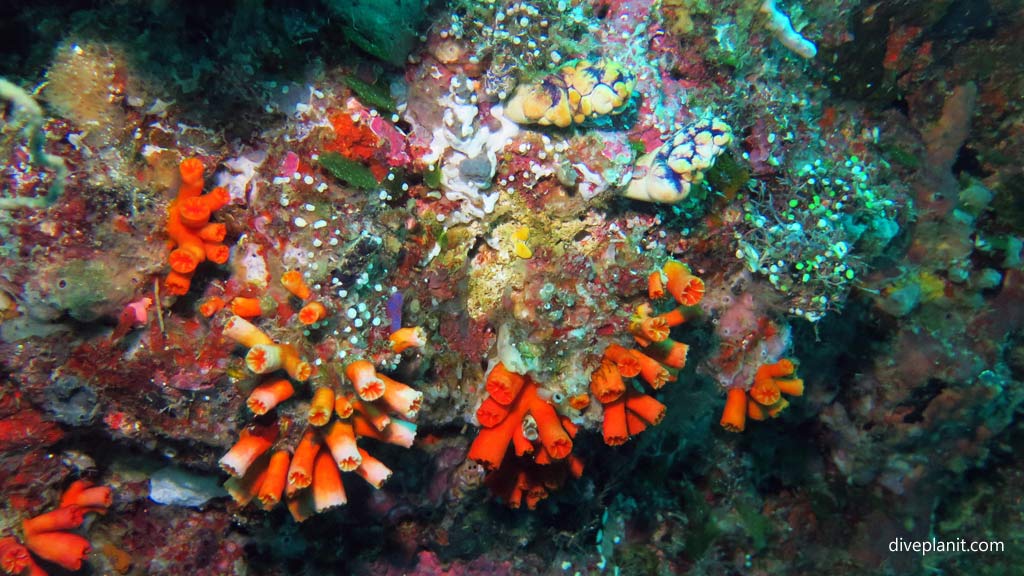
point(764, 397)
point(194, 238)
point(49, 537)
point(310, 477)
point(248, 307)
point(517, 412)
point(627, 412)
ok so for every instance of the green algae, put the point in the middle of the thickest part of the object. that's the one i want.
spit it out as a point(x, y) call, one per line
point(348, 170)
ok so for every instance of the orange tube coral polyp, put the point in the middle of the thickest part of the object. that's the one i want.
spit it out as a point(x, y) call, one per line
point(405, 338)
point(655, 286)
point(645, 407)
point(297, 368)
point(300, 469)
point(756, 411)
point(341, 441)
point(14, 557)
point(248, 448)
point(246, 307)
point(312, 313)
point(267, 396)
point(372, 414)
point(295, 284)
point(398, 432)
point(614, 427)
point(402, 398)
point(791, 387)
point(686, 288)
point(554, 438)
point(213, 233)
point(66, 518)
point(372, 470)
point(321, 407)
point(503, 385)
point(670, 353)
point(193, 212)
point(62, 548)
point(651, 370)
point(343, 407)
point(364, 379)
point(191, 170)
point(186, 259)
point(216, 253)
point(328, 490)
point(634, 423)
point(211, 306)
point(490, 413)
point(92, 498)
point(244, 489)
point(606, 383)
point(177, 284)
point(765, 392)
point(273, 485)
point(245, 333)
point(734, 417)
point(627, 364)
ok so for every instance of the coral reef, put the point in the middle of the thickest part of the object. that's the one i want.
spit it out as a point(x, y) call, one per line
point(524, 267)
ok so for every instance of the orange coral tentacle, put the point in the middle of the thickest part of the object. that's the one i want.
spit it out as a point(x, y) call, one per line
point(734, 416)
point(614, 427)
